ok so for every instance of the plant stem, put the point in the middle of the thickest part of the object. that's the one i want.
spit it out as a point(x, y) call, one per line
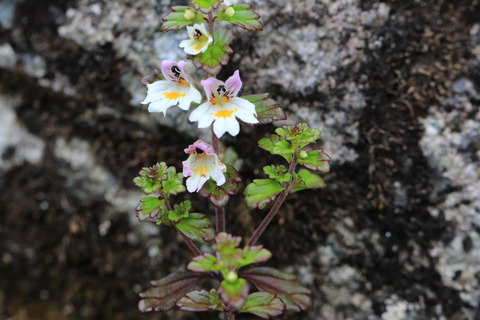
point(230, 315)
point(276, 206)
point(187, 240)
point(220, 219)
point(190, 244)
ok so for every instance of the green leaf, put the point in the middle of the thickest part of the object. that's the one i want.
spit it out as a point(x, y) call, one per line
point(201, 300)
point(295, 296)
point(219, 195)
point(150, 208)
point(205, 263)
point(206, 4)
point(253, 254)
point(263, 305)
point(277, 146)
point(299, 135)
point(150, 178)
point(243, 16)
point(167, 291)
point(180, 211)
point(316, 160)
point(197, 227)
point(177, 18)
point(217, 54)
point(278, 173)
point(304, 179)
point(267, 109)
point(261, 192)
point(173, 183)
point(234, 293)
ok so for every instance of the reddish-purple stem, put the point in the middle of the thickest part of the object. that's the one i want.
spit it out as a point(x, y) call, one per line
point(276, 206)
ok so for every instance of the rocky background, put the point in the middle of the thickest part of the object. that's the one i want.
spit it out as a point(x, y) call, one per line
point(394, 86)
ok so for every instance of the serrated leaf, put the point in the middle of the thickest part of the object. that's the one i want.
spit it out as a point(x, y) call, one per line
point(219, 195)
point(205, 263)
point(305, 179)
point(263, 305)
point(176, 20)
point(277, 146)
point(197, 227)
point(295, 296)
point(167, 291)
point(148, 185)
point(206, 4)
point(215, 57)
point(173, 183)
point(244, 17)
point(261, 192)
point(267, 109)
point(149, 209)
point(316, 160)
point(201, 300)
point(234, 293)
point(253, 254)
point(299, 135)
point(278, 173)
point(150, 178)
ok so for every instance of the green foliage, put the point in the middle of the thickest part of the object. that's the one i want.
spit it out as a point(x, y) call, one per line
point(263, 305)
point(180, 17)
point(295, 296)
point(201, 300)
point(150, 209)
point(234, 293)
point(206, 4)
point(242, 15)
point(219, 195)
point(316, 160)
point(261, 192)
point(197, 227)
point(278, 173)
point(304, 179)
point(165, 292)
point(267, 109)
point(161, 179)
point(275, 145)
point(217, 54)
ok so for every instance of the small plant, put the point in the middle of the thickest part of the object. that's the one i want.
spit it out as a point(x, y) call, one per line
point(236, 284)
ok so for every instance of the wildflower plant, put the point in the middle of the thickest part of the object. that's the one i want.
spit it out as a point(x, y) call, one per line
point(226, 278)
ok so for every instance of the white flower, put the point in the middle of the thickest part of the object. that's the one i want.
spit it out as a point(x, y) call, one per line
point(201, 165)
point(224, 107)
point(176, 89)
point(199, 39)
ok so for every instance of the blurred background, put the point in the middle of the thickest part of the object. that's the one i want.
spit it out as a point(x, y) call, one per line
point(394, 86)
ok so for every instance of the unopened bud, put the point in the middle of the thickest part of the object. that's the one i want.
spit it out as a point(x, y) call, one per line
point(189, 14)
point(229, 12)
point(232, 276)
point(303, 154)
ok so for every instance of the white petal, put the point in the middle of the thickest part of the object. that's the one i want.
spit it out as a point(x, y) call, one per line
point(160, 106)
point(232, 126)
point(245, 116)
point(244, 104)
point(159, 85)
point(195, 94)
point(192, 183)
point(218, 176)
point(220, 127)
point(197, 113)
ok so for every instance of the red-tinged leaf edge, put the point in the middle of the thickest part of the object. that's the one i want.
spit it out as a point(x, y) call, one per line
point(266, 108)
point(219, 195)
point(295, 296)
point(263, 305)
point(165, 292)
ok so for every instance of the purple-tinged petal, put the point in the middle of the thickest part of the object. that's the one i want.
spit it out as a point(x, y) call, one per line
point(210, 86)
point(233, 84)
point(167, 72)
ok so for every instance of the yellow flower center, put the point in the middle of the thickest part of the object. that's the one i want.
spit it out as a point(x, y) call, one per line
point(201, 170)
point(174, 95)
point(198, 48)
point(225, 113)
point(223, 100)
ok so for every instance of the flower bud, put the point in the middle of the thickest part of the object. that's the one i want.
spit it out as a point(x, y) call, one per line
point(189, 14)
point(232, 276)
point(229, 12)
point(303, 154)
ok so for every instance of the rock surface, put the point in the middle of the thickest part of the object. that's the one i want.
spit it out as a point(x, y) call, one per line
point(393, 85)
